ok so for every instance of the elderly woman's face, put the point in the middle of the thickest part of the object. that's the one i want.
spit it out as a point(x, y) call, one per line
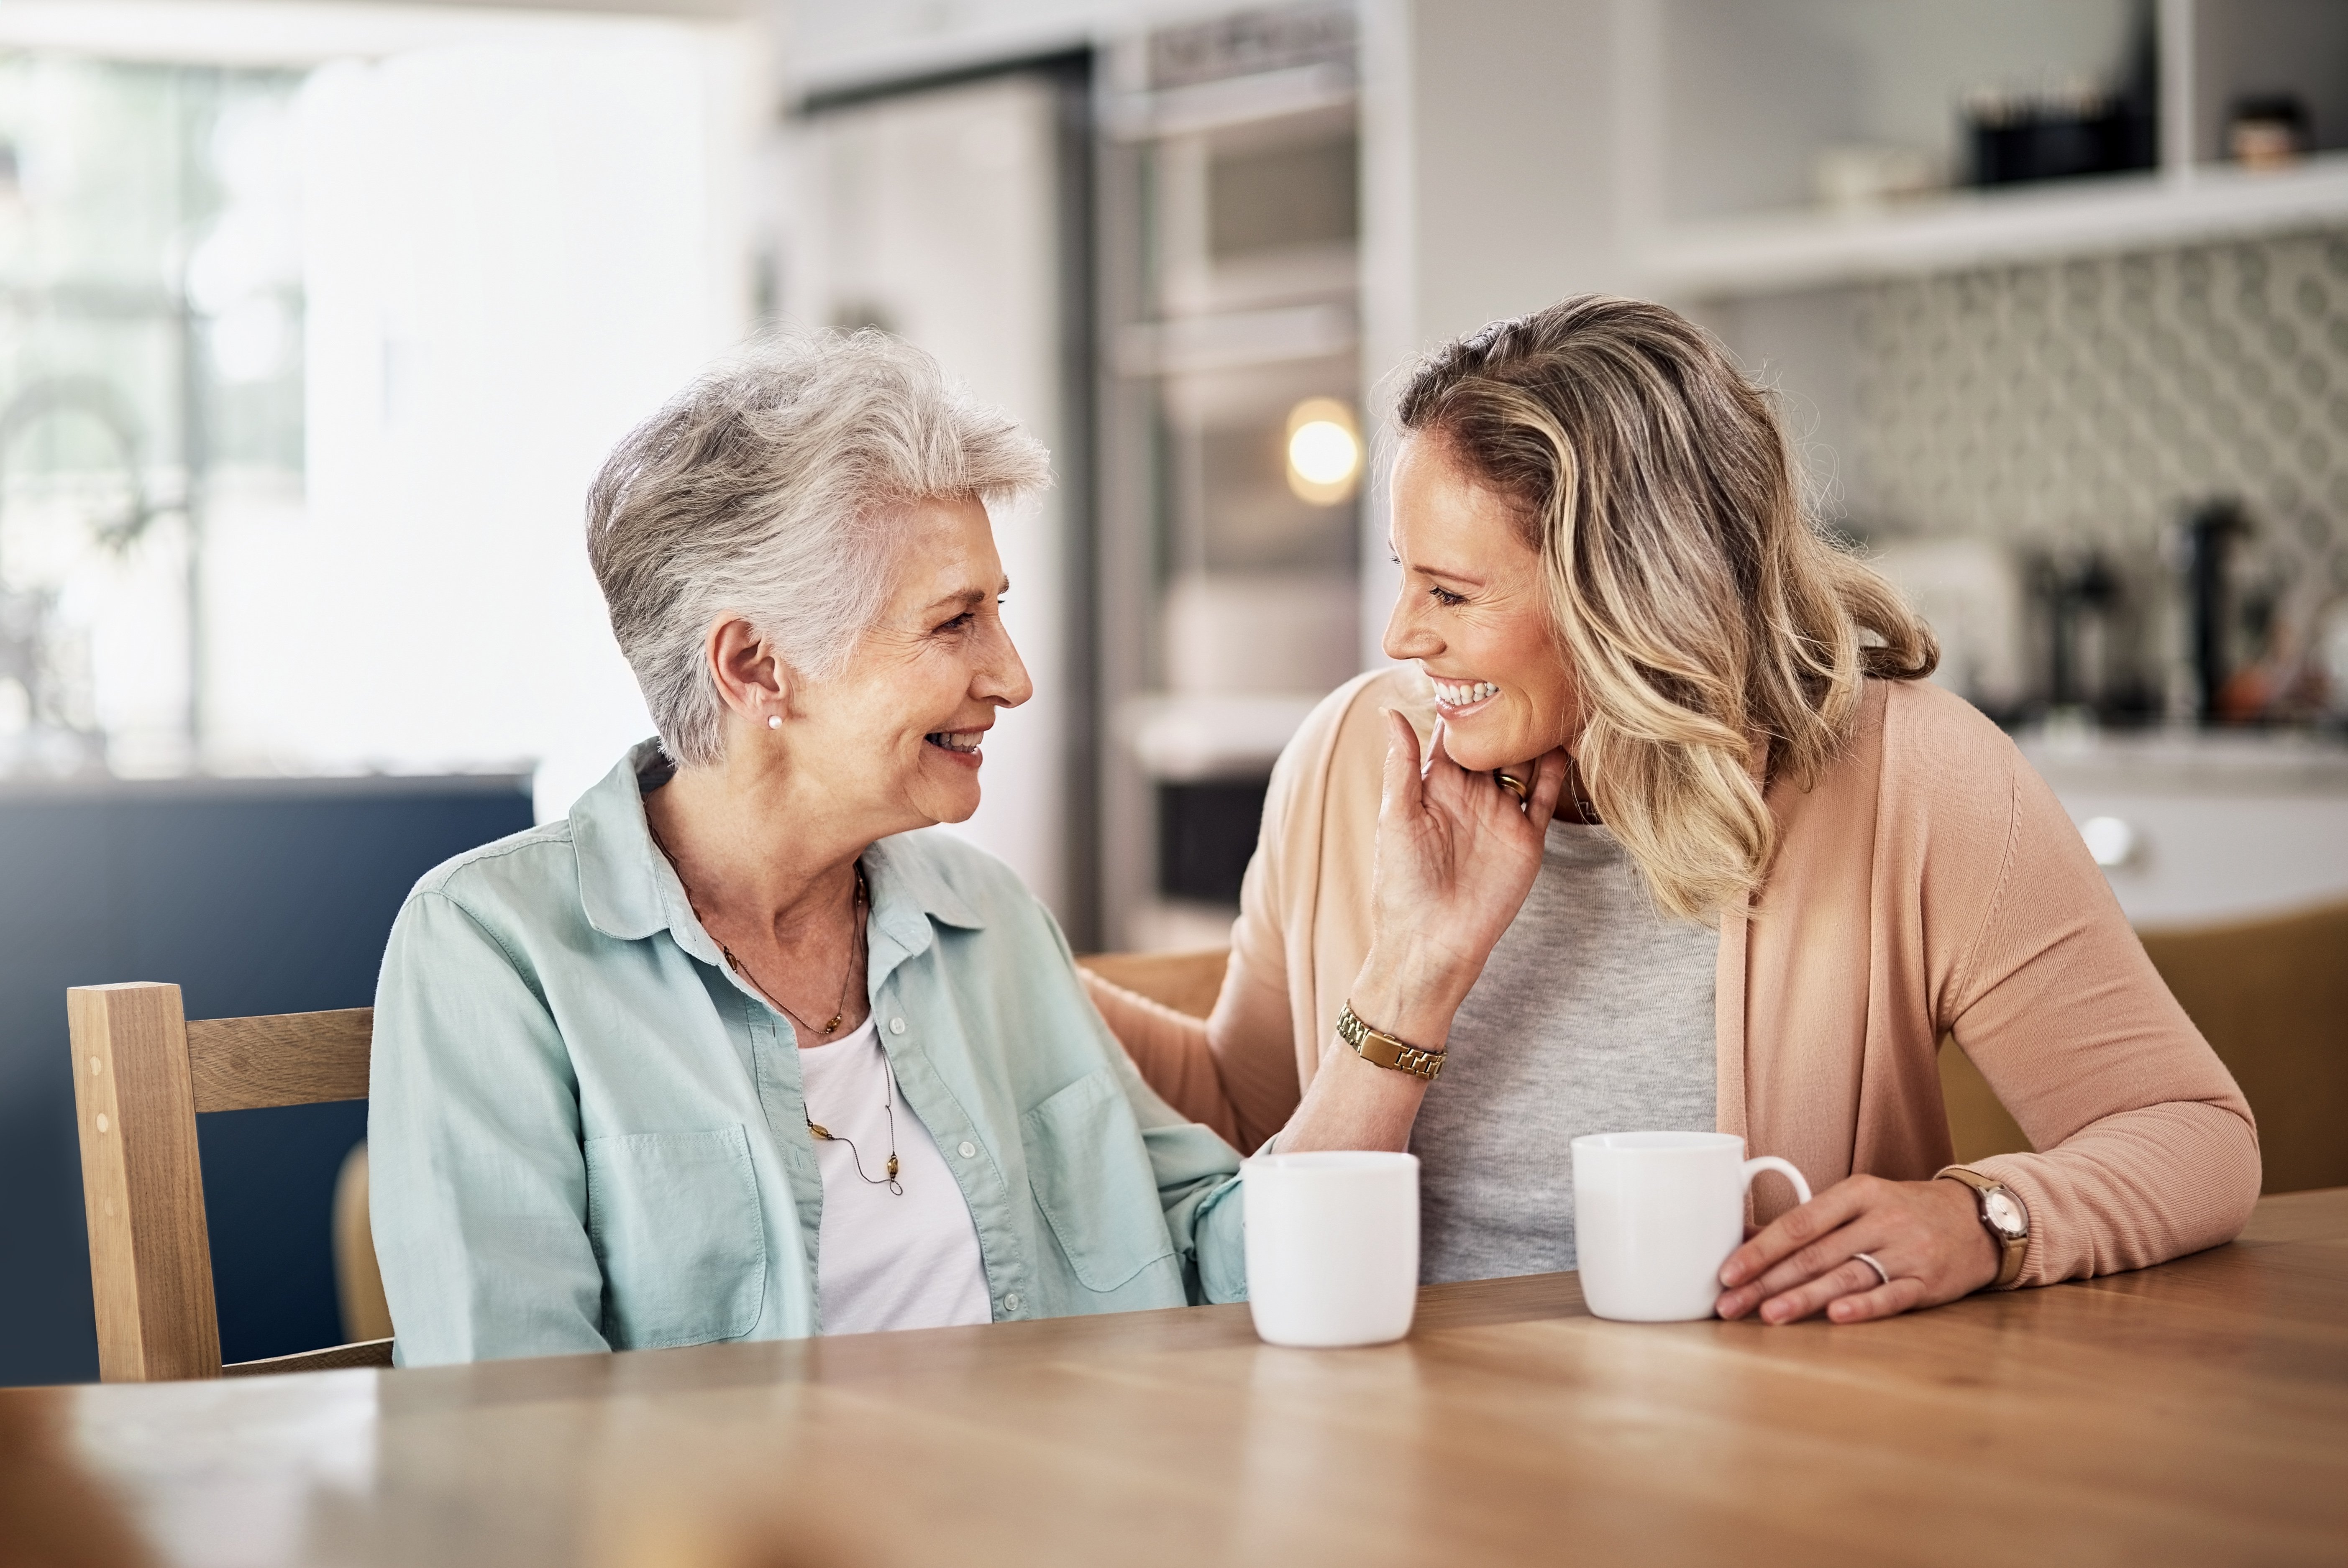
point(1473, 612)
point(920, 692)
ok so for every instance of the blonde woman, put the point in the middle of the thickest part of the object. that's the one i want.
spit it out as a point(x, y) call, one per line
point(1782, 868)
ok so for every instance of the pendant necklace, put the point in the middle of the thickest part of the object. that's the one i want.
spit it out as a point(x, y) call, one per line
point(856, 1156)
point(862, 899)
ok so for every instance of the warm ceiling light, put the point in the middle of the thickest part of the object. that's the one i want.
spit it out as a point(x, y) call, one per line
point(1324, 451)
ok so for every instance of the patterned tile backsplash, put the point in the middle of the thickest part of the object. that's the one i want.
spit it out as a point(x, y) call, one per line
point(2081, 407)
point(2086, 401)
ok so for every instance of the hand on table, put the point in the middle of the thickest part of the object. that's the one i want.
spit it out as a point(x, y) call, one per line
point(1928, 1235)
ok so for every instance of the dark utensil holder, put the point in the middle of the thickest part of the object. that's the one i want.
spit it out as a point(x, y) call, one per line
point(2048, 144)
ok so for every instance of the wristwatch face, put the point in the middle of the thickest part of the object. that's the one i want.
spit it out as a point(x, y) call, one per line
point(2004, 1212)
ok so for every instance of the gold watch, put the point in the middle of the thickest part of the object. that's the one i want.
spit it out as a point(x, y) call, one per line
point(2003, 1215)
point(1383, 1049)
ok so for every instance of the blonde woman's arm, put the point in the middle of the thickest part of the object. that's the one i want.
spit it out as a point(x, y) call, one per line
point(1236, 1069)
point(1171, 1051)
point(2145, 1148)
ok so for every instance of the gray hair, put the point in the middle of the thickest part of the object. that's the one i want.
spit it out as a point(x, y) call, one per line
point(774, 488)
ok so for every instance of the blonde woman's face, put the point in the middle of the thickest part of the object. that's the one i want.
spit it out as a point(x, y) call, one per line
point(1474, 615)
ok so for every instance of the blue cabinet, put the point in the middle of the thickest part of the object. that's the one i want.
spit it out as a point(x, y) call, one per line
point(255, 897)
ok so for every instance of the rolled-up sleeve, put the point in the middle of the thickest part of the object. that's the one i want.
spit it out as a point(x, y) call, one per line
point(479, 1187)
point(1197, 1188)
point(1196, 1171)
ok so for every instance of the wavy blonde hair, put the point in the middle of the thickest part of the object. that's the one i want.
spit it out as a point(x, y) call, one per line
point(1718, 637)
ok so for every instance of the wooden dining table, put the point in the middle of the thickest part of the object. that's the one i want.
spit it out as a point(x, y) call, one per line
point(2194, 1413)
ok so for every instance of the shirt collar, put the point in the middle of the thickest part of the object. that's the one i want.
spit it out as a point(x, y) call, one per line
point(630, 891)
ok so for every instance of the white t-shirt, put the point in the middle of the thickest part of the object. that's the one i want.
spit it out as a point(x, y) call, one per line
point(885, 1260)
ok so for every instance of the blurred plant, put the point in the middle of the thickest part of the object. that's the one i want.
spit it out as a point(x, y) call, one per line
point(52, 738)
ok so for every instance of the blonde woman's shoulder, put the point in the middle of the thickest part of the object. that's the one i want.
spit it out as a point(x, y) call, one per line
point(1929, 725)
point(1946, 762)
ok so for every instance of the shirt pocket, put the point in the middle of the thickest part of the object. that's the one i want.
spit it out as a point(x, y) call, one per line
point(1090, 1174)
point(675, 1223)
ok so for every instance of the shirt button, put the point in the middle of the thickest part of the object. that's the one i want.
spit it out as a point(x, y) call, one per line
point(1011, 1302)
point(896, 1026)
point(969, 1149)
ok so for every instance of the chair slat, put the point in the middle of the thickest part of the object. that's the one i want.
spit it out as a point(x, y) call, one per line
point(365, 1352)
point(142, 1185)
point(285, 1059)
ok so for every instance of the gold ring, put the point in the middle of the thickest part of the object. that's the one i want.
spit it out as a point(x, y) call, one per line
point(1509, 782)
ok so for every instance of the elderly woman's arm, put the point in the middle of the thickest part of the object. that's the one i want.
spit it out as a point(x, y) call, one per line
point(477, 1189)
point(1198, 1190)
point(1191, 1162)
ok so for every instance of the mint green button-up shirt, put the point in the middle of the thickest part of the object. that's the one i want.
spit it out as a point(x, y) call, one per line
point(584, 1132)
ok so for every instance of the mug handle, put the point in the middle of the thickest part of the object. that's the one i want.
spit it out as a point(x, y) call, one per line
point(1783, 1168)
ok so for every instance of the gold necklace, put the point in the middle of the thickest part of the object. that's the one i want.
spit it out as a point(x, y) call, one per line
point(847, 980)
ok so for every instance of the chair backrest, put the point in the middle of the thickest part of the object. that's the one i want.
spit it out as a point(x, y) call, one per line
point(1187, 982)
point(2271, 997)
point(143, 1070)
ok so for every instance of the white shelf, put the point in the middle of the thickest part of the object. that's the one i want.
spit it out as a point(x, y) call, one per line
point(1772, 252)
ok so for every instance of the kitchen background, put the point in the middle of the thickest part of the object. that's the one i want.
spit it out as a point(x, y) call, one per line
point(316, 316)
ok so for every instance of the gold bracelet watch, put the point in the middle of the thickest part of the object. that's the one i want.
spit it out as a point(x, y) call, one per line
point(1383, 1049)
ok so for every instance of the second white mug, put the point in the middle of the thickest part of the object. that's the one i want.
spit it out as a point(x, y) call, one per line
point(1331, 1247)
point(1654, 1216)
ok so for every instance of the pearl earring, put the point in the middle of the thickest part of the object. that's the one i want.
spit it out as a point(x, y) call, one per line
point(774, 720)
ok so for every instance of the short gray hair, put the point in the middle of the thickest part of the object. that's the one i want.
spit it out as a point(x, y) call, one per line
point(773, 487)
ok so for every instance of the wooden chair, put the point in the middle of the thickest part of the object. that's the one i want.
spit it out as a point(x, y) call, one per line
point(143, 1070)
point(1187, 982)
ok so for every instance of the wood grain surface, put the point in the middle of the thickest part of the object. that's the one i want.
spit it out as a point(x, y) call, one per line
point(2196, 1413)
point(142, 1186)
point(357, 1353)
point(282, 1059)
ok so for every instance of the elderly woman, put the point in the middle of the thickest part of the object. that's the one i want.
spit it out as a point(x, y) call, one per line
point(1784, 869)
point(736, 1052)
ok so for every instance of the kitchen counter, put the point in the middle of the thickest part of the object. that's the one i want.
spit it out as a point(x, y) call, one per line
point(2199, 827)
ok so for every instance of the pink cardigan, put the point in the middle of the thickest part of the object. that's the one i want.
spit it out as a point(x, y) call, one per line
point(1928, 885)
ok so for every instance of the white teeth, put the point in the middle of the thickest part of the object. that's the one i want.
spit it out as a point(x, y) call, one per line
point(1459, 694)
point(968, 741)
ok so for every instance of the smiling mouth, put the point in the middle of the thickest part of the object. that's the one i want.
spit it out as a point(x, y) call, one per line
point(1462, 693)
point(962, 743)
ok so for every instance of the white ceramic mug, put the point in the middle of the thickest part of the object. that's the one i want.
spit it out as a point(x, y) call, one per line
point(1331, 1247)
point(1654, 1216)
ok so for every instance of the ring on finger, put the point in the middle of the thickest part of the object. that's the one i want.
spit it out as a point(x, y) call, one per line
point(1881, 1273)
point(1509, 782)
